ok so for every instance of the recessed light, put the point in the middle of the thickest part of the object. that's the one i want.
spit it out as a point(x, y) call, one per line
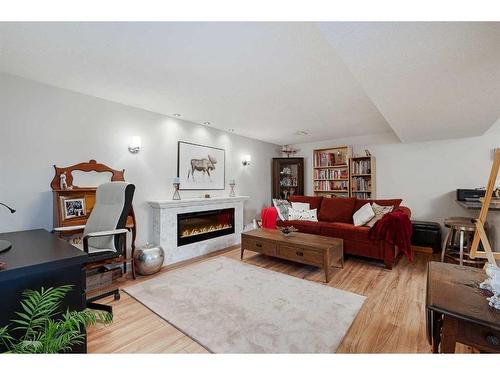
point(302, 132)
point(230, 130)
point(206, 123)
point(177, 114)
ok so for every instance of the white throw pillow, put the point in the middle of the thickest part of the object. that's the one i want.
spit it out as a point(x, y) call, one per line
point(379, 212)
point(309, 215)
point(282, 205)
point(363, 215)
point(299, 206)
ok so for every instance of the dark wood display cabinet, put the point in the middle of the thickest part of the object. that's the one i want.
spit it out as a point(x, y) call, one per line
point(288, 177)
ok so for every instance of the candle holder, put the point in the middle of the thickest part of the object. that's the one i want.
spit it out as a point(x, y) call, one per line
point(232, 184)
point(176, 196)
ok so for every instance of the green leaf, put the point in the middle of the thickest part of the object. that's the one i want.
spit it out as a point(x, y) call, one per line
point(42, 332)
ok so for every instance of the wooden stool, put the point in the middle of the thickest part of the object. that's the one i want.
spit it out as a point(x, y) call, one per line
point(465, 227)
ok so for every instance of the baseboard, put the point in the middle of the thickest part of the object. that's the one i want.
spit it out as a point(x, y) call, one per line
point(421, 249)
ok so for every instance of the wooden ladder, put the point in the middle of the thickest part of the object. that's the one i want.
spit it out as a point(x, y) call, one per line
point(480, 234)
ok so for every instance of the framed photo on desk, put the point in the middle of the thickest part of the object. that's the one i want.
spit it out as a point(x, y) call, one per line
point(72, 207)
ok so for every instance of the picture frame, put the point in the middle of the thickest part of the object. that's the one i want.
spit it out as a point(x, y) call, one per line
point(73, 207)
point(201, 167)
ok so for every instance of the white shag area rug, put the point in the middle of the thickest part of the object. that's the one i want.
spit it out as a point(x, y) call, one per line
point(229, 306)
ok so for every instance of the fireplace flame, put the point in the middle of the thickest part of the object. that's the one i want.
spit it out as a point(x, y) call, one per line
point(204, 229)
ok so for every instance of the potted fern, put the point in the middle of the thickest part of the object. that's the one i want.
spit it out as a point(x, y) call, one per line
point(41, 328)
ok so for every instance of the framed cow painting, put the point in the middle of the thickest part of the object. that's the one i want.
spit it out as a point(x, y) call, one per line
point(200, 167)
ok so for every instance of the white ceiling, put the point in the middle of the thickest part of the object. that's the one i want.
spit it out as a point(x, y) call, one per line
point(269, 80)
point(430, 80)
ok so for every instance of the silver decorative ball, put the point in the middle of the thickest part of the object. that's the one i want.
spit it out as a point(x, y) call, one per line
point(149, 259)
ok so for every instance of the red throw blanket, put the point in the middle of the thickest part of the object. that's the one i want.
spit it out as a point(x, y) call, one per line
point(269, 216)
point(395, 228)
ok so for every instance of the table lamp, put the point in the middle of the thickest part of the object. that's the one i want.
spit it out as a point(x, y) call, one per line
point(6, 245)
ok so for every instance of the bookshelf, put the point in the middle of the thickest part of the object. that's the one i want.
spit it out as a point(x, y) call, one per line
point(331, 171)
point(362, 175)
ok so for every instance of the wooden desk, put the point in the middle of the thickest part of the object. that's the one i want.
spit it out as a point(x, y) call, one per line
point(457, 310)
point(38, 258)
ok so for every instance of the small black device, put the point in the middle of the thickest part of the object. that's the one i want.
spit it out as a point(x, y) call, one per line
point(470, 194)
point(426, 234)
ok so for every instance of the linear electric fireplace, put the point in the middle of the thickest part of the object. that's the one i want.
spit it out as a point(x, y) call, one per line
point(200, 226)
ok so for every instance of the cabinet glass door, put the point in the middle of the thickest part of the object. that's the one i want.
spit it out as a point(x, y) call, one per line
point(288, 176)
point(289, 179)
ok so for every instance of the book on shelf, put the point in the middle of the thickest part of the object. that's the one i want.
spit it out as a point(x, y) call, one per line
point(331, 185)
point(331, 174)
point(361, 167)
point(329, 158)
point(361, 184)
point(361, 195)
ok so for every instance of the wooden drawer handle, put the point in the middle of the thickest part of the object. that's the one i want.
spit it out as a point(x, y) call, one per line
point(492, 340)
point(258, 245)
point(300, 253)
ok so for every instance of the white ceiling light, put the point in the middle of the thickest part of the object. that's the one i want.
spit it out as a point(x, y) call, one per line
point(207, 123)
point(177, 114)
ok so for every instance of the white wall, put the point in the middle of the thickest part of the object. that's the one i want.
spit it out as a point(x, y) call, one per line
point(41, 125)
point(426, 174)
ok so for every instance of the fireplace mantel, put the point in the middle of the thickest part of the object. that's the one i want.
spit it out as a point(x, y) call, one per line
point(165, 213)
point(169, 203)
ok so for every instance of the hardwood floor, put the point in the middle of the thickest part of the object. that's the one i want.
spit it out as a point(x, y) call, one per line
point(391, 320)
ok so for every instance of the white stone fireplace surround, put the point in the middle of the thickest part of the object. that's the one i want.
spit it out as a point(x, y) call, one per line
point(165, 226)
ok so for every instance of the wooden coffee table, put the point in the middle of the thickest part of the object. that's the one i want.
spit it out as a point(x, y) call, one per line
point(311, 249)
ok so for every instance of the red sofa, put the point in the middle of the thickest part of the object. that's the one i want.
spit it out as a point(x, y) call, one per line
point(335, 220)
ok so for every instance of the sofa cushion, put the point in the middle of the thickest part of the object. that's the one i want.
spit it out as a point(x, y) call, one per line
point(312, 227)
point(314, 202)
point(381, 202)
point(346, 231)
point(337, 210)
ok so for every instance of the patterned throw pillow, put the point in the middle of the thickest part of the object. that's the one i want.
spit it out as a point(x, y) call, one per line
point(299, 206)
point(309, 215)
point(379, 212)
point(282, 205)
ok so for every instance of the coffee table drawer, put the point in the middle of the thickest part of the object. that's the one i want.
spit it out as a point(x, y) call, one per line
point(259, 246)
point(301, 255)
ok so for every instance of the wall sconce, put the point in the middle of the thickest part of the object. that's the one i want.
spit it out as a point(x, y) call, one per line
point(135, 144)
point(246, 160)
